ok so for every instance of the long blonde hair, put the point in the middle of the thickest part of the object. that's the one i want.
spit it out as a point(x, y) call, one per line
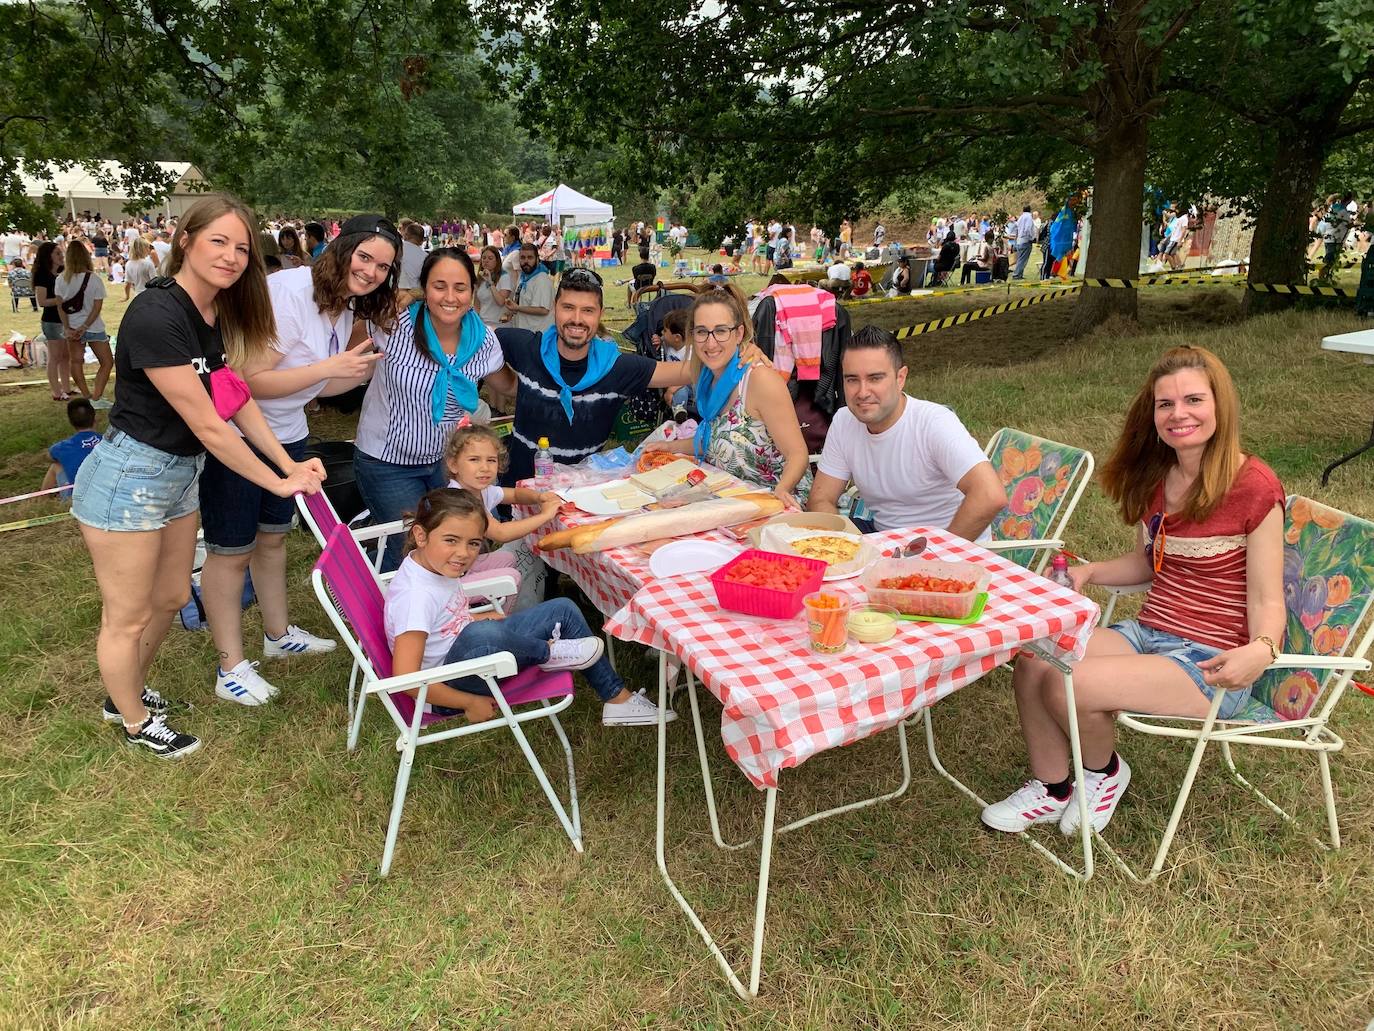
point(729, 296)
point(139, 249)
point(1140, 460)
point(243, 310)
point(76, 262)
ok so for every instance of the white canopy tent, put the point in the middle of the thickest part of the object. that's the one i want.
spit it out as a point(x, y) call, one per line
point(565, 202)
point(81, 190)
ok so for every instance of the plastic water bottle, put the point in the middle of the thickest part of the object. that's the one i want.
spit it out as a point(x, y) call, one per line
point(543, 461)
point(1059, 571)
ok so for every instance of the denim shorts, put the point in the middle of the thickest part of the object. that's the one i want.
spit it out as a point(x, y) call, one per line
point(127, 486)
point(1187, 654)
point(54, 331)
point(233, 511)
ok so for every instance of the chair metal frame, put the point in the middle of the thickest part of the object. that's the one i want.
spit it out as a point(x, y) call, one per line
point(412, 734)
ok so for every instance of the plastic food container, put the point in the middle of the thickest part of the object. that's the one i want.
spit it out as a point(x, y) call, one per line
point(761, 601)
point(925, 603)
point(872, 624)
point(826, 618)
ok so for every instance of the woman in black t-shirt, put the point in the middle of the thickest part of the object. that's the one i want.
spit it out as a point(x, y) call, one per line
point(136, 497)
point(47, 263)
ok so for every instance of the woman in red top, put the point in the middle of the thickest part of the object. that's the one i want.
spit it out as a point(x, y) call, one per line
point(1210, 520)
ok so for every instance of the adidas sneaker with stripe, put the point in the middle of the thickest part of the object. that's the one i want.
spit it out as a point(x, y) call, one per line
point(1028, 805)
point(244, 685)
point(296, 642)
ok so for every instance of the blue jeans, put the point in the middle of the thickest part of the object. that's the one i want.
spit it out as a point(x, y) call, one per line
point(1186, 654)
point(526, 636)
point(391, 491)
point(1023, 251)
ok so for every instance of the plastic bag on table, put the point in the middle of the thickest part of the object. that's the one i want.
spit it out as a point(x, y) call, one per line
point(601, 467)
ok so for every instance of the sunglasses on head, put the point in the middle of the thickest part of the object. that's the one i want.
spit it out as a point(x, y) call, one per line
point(581, 277)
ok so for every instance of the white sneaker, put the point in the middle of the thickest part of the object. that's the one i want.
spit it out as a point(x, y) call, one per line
point(244, 685)
point(576, 653)
point(296, 642)
point(1104, 795)
point(1028, 805)
point(635, 711)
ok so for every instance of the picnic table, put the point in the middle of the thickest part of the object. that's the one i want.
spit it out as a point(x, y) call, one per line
point(781, 704)
point(1362, 343)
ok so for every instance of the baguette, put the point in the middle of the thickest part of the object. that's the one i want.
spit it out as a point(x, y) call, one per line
point(674, 522)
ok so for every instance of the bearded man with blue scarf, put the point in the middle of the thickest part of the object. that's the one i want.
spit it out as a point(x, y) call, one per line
point(569, 383)
point(531, 293)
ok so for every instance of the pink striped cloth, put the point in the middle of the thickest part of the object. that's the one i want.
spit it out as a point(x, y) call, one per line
point(804, 313)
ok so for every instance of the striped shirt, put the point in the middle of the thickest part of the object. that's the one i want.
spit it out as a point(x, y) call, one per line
point(1199, 591)
point(396, 425)
point(538, 412)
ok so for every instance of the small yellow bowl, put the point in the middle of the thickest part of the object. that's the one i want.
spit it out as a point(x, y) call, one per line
point(872, 624)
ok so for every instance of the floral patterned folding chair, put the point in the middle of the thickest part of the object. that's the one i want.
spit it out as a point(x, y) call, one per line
point(1328, 585)
point(1044, 480)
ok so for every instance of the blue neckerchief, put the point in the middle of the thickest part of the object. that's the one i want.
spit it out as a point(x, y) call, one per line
point(711, 396)
point(510, 247)
point(525, 277)
point(449, 378)
point(600, 357)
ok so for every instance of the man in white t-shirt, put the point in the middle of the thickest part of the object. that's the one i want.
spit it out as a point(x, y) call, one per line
point(914, 463)
point(163, 246)
point(15, 241)
point(530, 303)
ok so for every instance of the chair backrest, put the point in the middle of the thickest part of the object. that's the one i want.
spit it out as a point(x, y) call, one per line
point(1328, 584)
point(1044, 480)
point(319, 514)
point(357, 601)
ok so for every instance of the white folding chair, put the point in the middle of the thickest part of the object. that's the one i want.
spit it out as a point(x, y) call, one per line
point(1044, 481)
point(319, 514)
point(1328, 586)
point(350, 595)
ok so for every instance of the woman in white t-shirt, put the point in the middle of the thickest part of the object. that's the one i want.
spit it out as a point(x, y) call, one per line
point(140, 271)
point(491, 295)
point(315, 309)
point(83, 327)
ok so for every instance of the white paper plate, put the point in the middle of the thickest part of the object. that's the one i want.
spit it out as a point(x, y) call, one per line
point(690, 556)
point(846, 576)
point(593, 500)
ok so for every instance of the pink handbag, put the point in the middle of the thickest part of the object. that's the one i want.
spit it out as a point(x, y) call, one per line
point(228, 391)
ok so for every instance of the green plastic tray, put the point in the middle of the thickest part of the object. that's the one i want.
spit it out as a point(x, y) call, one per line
point(972, 617)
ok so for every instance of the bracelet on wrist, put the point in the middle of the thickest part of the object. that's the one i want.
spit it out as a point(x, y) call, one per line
point(1269, 643)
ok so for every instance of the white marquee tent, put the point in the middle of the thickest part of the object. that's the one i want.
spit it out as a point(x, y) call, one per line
point(565, 202)
point(82, 190)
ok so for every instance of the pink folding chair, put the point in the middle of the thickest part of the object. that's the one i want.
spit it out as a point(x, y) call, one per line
point(349, 593)
point(487, 592)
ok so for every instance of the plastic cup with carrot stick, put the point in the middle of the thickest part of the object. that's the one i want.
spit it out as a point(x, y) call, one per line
point(826, 618)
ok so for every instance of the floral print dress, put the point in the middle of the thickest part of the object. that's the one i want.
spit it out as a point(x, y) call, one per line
point(742, 446)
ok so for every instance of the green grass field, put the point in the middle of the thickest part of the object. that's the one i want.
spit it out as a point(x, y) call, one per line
point(238, 889)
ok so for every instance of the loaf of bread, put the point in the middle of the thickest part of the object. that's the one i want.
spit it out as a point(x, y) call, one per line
point(698, 517)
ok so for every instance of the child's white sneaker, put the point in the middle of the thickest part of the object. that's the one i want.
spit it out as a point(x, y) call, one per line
point(577, 653)
point(635, 711)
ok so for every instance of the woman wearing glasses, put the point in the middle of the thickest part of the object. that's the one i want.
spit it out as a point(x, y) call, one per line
point(351, 285)
point(748, 424)
point(1210, 522)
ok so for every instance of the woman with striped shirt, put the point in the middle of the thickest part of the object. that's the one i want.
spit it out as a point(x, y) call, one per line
point(435, 356)
point(1210, 522)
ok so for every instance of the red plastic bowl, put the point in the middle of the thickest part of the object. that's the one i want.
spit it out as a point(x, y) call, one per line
point(762, 601)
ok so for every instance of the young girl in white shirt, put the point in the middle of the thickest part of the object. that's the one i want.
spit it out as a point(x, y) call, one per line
point(474, 457)
point(428, 622)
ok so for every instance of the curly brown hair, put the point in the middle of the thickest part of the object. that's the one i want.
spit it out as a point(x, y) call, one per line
point(465, 435)
point(330, 277)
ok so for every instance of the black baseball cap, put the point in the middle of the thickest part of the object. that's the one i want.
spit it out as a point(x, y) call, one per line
point(371, 225)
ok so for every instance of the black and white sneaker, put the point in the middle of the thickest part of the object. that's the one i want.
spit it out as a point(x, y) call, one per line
point(161, 739)
point(152, 701)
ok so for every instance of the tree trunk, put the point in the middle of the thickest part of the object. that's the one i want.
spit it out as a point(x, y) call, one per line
point(1278, 252)
point(1114, 251)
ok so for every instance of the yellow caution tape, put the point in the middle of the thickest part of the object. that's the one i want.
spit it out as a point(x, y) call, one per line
point(24, 524)
point(984, 313)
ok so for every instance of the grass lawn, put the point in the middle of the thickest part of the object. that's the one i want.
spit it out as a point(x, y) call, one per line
point(239, 888)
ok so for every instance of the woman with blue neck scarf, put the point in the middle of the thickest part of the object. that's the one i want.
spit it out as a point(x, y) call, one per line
point(436, 355)
point(748, 425)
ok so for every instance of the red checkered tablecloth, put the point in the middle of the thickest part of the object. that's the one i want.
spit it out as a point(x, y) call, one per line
point(783, 704)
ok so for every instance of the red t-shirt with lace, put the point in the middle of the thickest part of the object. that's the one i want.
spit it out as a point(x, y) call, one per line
point(1199, 590)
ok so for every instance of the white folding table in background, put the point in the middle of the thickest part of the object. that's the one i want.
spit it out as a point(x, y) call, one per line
point(1360, 342)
